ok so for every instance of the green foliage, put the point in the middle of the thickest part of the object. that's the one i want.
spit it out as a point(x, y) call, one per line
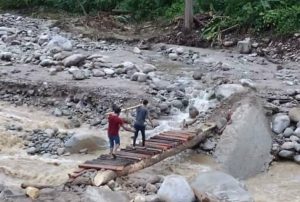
point(281, 16)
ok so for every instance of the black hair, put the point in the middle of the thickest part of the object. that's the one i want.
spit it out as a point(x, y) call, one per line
point(117, 110)
point(145, 102)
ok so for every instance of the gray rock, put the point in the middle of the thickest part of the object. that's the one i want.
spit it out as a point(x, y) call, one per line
point(43, 39)
point(61, 43)
point(244, 46)
point(50, 132)
point(151, 188)
point(6, 56)
point(287, 146)
point(98, 73)
point(193, 112)
point(57, 112)
point(288, 132)
point(228, 43)
point(175, 188)
point(128, 65)
point(73, 60)
point(236, 142)
point(147, 68)
point(52, 71)
point(177, 104)
point(164, 107)
point(152, 198)
point(78, 75)
point(61, 55)
point(208, 145)
point(137, 50)
point(179, 51)
point(198, 75)
point(153, 179)
point(248, 83)
point(81, 141)
point(108, 71)
point(297, 147)
point(139, 76)
point(294, 138)
point(294, 114)
point(286, 154)
point(173, 56)
point(226, 90)
point(221, 122)
point(297, 159)
point(220, 185)
point(31, 150)
point(280, 122)
point(96, 194)
point(60, 151)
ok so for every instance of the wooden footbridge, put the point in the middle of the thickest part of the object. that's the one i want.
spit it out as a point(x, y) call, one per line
point(157, 148)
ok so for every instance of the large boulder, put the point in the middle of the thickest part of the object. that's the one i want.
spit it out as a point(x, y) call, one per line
point(61, 43)
point(95, 194)
point(220, 185)
point(280, 122)
point(226, 90)
point(81, 141)
point(294, 114)
point(73, 60)
point(245, 145)
point(147, 68)
point(175, 188)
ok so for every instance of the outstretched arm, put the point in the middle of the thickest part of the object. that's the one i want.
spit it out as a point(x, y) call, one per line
point(127, 128)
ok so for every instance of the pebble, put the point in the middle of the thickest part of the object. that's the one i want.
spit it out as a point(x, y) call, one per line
point(286, 154)
point(287, 146)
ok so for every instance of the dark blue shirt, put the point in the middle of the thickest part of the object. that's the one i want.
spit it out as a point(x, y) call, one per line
point(141, 115)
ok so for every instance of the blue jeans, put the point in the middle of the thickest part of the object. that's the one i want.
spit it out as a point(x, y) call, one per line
point(113, 139)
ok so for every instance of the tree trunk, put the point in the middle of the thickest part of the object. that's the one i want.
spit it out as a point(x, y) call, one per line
point(188, 14)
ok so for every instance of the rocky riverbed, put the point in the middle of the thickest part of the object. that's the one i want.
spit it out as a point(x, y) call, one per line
point(56, 88)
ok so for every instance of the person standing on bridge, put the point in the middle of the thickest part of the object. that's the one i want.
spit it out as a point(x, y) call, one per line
point(142, 113)
point(114, 124)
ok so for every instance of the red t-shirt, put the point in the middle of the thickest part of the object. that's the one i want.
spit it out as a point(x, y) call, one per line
point(114, 123)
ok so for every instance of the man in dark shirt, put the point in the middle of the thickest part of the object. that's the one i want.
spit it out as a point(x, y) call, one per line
point(142, 114)
point(114, 124)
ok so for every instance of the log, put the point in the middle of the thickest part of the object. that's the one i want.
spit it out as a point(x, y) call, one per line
point(205, 130)
point(38, 186)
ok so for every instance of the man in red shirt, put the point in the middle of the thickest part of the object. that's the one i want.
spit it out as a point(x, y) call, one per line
point(114, 124)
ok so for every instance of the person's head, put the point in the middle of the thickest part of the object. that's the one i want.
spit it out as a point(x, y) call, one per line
point(145, 102)
point(117, 110)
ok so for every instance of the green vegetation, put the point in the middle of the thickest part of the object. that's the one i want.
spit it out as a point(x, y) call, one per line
point(279, 16)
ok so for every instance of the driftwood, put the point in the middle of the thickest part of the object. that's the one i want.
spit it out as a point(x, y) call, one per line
point(202, 134)
point(38, 186)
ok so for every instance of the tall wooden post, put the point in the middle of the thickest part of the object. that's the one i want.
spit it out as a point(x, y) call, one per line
point(188, 14)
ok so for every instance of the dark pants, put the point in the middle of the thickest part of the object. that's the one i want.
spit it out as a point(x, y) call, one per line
point(139, 128)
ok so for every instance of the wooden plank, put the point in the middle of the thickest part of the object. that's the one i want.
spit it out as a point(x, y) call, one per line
point(133, 154)
point(167, 142)
point(159, 143)
point(186, 133)
point(177, 135)
point(100, 166)
point(140, 151)
point(129, 157)
point(175, 139)
point(139, 146)
point(151, 144)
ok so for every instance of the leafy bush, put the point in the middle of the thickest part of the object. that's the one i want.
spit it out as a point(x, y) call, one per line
point(282, 16)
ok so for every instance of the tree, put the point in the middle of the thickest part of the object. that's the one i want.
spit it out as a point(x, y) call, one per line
point(188, 14)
